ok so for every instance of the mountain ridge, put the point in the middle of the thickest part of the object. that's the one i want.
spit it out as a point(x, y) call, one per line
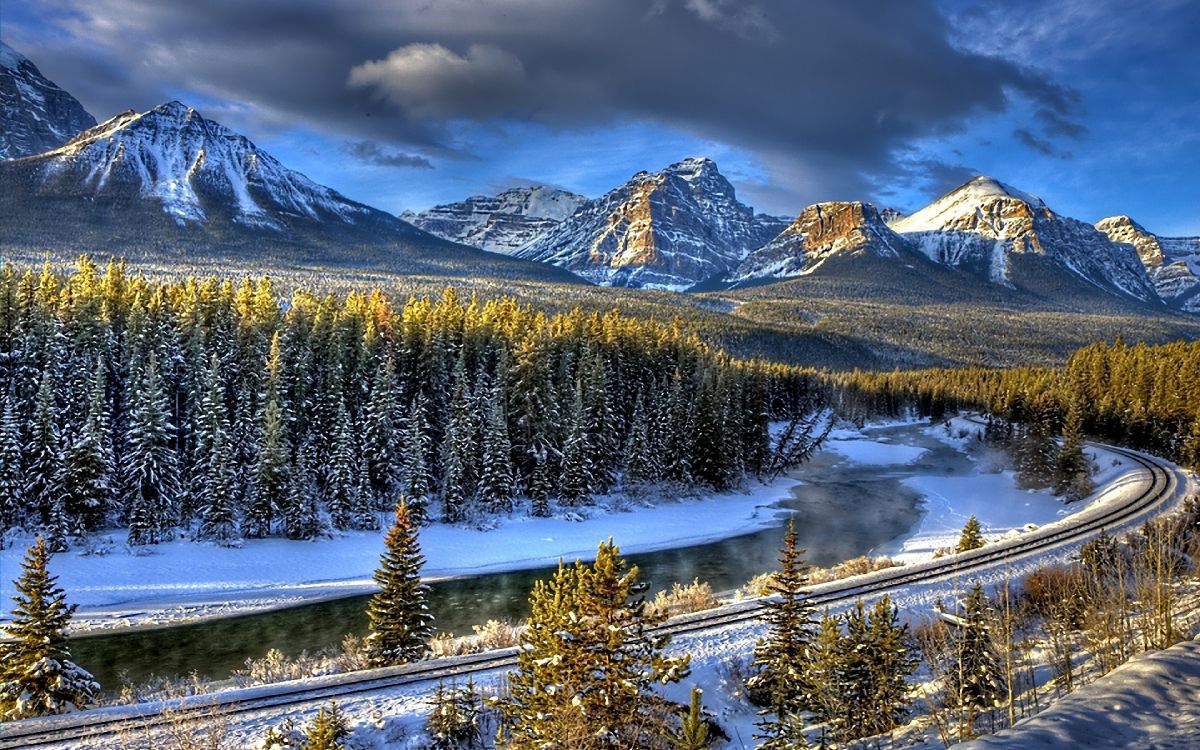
point(37, 114)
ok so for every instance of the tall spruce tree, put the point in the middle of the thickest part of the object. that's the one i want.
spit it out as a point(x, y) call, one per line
point(12, 483)
point(44, 454)
point(379, 433)
point(87, 481)
point(1072, 476)
point(150, 473)
point(458, 453)
point(401, 625)
point(272, 466)
point(588, 661)
point(975, 681)
point(37, 676)
point(415, 473)
point(496, 471)
point(342, 476)
point(213, 478)
point(576, 484)
point(780, 658)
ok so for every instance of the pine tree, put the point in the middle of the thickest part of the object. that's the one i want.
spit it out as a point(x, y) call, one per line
point(379, 433)
point(300, 517)
point(540, 488)
point(496, 472)
point(780, 658)
point(975, 681)
point(972, 536)
point(415, 475)
point(825, 670)
point(597, 421)
point(693, 729)
point(213, 480)
point(1072, 478)
point(891, 662)
point(588, 661)
point(401, 625)
point(150, 471)
point(342, 482)
point(12, 484)
point(455, 718)
point(576, 484)
point(362, 510)
point(87, 482)
point(44, 465)
point(641, 461)
point(327, 730)
point(37, 676)
point(458, 453)
point(1037, 452)
point(272, 469)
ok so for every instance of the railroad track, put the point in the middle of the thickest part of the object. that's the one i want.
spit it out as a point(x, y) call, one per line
point(89, 726)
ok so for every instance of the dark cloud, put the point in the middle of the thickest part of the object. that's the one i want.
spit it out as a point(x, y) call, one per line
point(825, 94)
point(370, 152)
point(1054, 124)
point(1041, 145)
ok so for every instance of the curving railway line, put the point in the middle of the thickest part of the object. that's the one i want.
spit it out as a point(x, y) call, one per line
point(1161, 484)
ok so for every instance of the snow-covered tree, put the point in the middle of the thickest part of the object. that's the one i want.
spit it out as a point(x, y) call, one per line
point(576, 486)
point(150, 473)
point(971, 537)
point(87, 481)
point(12, 484)
point(401, 625)
point(975, 681)
point(587, 662)
point(272, 466)
point(496, 471)
point(379, 434)
point(415, 474)
point(342, 477)
point(44, 454)
point(37, 676)
point(780, 659)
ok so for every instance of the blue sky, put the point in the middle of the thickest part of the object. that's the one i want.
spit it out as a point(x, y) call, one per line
point(1091, 105)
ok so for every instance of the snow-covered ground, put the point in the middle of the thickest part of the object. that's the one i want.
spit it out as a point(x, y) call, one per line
point(1151, 702)
point(185, 580)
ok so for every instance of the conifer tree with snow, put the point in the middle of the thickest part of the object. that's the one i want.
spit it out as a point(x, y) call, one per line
point(781, 657)
point(458, 453)
point(693, 728)
point(540, 488)
point(87, 481)
point(150, 473)
point(272, 467)
point(301, 519)
point(342, 478)
point(576, 481)
point(975, 681)
point(362, 509)
point(415, 472)
point(875, 661)
point(213, 478)
point(1072, 475)
point(496, 471)
point(588, 661)
point(641, 461)
point(597, 421)
point(12, 483)
point(44, 455)
point(400, 623)
point(37, 676)
point(1037, 453)
point(327, 730)
point(379, 433)
point(825, 673)
point(971, 537)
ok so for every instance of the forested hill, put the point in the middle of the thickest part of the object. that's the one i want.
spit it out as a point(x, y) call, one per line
point(1142, 396)
point(218, 410)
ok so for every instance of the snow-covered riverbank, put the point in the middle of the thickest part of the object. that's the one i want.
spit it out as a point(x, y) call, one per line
point(184, 581)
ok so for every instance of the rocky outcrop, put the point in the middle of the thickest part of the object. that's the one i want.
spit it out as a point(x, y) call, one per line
point(35, 114)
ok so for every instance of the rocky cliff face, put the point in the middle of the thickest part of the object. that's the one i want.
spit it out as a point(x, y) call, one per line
point(822, 231)
point(1173, 263)
point(35, 114)
point(669, 230)
point(503, 223)
point(985, 227)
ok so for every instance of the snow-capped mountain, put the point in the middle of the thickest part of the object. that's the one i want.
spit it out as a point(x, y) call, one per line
point(503, 223)
point(1172, 262)
point(822, 231)
point(197, 170)
point(35, 114)
point(1004, 234)
point(668, 230)
point(169, 182)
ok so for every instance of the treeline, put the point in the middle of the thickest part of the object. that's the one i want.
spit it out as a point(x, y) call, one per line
point(1145, 397)
point(223, 410)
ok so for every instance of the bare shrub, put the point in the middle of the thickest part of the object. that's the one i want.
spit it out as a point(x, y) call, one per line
point(494, 634)
point(694, 597)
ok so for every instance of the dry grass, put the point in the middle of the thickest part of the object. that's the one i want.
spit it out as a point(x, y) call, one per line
point(694, 597)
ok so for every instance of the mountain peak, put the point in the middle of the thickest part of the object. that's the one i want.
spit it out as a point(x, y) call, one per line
point(670, 229)
point(503, 223)
point(35, 114)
